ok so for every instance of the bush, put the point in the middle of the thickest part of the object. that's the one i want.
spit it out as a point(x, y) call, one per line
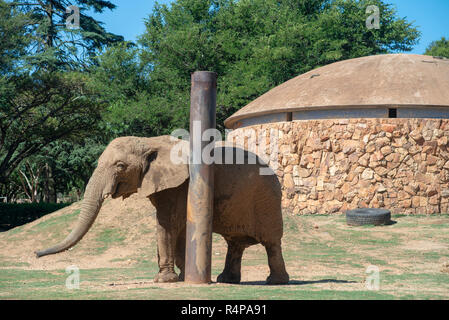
point(13, 215)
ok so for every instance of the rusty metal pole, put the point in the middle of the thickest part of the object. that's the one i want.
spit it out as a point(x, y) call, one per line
point(201, 185)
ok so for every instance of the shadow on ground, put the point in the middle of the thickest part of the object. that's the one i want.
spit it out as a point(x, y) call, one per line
point(296, 282)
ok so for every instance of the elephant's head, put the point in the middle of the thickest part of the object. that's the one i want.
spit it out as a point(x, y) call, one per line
point(129, 165)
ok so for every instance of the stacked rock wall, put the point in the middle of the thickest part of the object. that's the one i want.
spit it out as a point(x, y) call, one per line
point(330, 166)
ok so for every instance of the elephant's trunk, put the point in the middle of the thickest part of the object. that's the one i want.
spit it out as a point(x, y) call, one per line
point(93, 199)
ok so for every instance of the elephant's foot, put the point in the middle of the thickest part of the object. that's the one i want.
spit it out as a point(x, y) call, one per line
point(281, 278)
point(228, 278)
point(164, 277)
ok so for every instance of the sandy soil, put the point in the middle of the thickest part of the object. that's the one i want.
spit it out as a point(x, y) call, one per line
point(402, 247)
point(131, 217)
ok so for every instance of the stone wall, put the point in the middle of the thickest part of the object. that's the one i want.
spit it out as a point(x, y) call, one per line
point(330, 166)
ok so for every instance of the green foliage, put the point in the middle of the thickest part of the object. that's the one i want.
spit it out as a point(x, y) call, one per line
point(14, 37)
point(255, 45)
point(125, 84)
point(55, 46)
point(63, 167)
point(46, 92)
point(13, 215)
point(71, 162)
point(44, 108)
point(122, 84)
point(439, 48)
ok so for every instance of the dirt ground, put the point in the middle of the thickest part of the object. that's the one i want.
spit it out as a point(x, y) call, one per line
point(134, 217)
point(326, 259)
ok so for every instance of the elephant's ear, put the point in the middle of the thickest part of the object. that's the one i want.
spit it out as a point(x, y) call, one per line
point(166, 165)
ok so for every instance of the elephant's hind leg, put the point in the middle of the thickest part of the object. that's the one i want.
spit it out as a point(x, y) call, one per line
point(233, 264)
point(278, 274)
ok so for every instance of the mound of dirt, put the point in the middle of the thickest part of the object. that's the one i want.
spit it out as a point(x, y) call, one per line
point(123, 230)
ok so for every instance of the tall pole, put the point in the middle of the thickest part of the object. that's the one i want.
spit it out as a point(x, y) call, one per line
point(200, 198)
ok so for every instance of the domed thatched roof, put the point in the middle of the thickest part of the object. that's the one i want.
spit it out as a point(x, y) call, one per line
point(382, 80)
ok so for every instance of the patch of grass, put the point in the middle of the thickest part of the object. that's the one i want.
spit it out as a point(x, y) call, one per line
point(421, 285)
point(107, 238)
point(435, 256)
point(15, 231)
point(58, 222)
point(440, 226)
point(6, 263)
point(98, 284)
point(290, 224)
point(14, 281)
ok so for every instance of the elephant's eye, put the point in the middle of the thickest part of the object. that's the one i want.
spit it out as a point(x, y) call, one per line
point(121, 166)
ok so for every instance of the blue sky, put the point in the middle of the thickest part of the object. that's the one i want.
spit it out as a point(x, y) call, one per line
point(430, 16)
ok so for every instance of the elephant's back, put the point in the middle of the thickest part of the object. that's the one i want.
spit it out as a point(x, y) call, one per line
point(247, 201)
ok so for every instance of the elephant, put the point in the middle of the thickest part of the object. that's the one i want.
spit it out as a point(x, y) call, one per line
point(246, 210)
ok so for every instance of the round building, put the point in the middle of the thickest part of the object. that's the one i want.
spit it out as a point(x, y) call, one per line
point(365, 132)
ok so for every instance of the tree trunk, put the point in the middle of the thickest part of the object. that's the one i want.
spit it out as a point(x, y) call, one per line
point(51, 186)
point(50, 32)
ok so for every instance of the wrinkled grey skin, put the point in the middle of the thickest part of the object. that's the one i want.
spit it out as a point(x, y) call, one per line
point(247, 205)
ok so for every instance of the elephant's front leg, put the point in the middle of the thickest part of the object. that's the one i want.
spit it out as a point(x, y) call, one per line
point(166, 244)
point(181, 253)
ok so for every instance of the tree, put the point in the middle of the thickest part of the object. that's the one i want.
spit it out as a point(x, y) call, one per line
point(14, 37)
point(54, 43)
point(63, 167)
point(41, 110)
point(255, 45)
point(13, 189)
point(439, 48)
point(40, 101)
point(68, 165)
point(123, 84)
point(73, 162)
point(29, 178)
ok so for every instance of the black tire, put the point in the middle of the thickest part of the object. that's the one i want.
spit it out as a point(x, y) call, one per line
point(366, 216)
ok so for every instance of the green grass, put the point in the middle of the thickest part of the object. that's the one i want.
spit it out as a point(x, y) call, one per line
point(56, 222)
point(326, 259)
point(98, 284)
point(6, 263)
point(444, 226)
point(107, 238)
